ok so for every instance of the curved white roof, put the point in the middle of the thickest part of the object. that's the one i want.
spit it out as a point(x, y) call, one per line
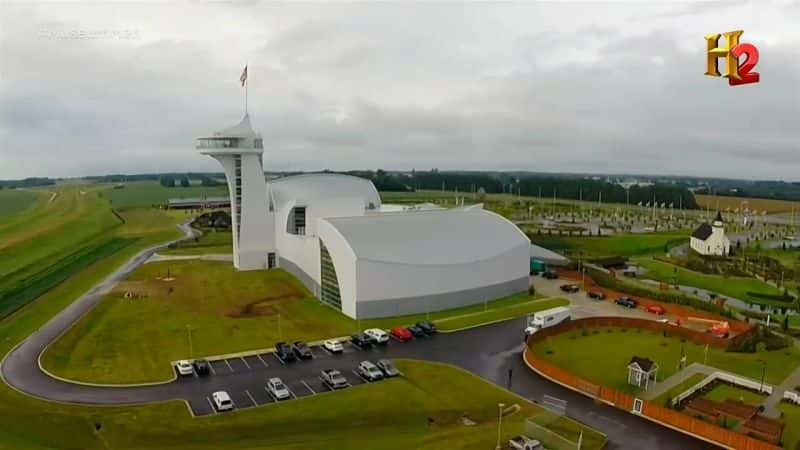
point(241, 130)
point(430, 237)
point(310, 188)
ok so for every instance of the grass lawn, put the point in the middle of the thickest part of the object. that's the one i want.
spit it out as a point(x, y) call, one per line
point(211, 242)
point(226, 311)
point(732, 286)
point(791, 432)
point(722, 392)
point(603, 356)
point(13, 201)
point(665, 398)
point(617, 245)
point(149, 193)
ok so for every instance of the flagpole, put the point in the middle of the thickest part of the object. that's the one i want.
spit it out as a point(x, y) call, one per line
point(245, 91)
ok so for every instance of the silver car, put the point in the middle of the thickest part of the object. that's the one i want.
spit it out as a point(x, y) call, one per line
point(278, 389)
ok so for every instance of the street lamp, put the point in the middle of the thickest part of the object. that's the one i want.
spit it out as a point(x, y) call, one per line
point(763, 374)
point(499, 424)
point(189, 332)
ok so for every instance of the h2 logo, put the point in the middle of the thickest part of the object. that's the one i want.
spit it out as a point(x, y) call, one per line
point(737, 74)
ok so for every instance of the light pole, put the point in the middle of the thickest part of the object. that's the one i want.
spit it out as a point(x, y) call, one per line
point(280, 333)
point(763, 374)
point(499, 424)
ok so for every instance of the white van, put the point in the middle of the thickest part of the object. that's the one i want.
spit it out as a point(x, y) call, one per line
point(222, 401)
point(380, 336)
point(547, 318)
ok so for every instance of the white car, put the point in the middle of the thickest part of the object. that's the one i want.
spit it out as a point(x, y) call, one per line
point(380, 336)
point(184, 367)
point(333, 346)
point(222, 401)
point(277, 389)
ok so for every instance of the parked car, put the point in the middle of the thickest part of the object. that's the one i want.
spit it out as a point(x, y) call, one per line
point(524, 443)
point(184, 367)
point(388, 368)
point(570, 288)
point(333, 346)
point(370, 371)
point(301, 350)
point(361, 340)
point(549, 274)
point(202, 367)
point(656, 309)
point(278, 389)
point(427, 327)
point(416, 331)
point(284, 352)
point(401, 334)
point(596, 294)
point(333, 379)
point(378, 335)
point(626, 302)
point(222, 401)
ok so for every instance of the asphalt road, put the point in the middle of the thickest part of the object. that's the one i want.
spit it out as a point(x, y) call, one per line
point(488, 351)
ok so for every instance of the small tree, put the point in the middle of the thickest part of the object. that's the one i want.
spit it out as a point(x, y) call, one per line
point(785, 323)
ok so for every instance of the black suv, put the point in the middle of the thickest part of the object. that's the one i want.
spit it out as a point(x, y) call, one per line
point(284, 352)
point(549, 274)
point(202, 367)
point(361, 340)
point(570, 288)
point(301, 350)
point(416, 331)
point(626, 302)
point(427, 327)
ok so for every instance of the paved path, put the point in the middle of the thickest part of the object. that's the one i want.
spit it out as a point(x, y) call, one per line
point(789, 384)
point(158, 257)
point(490, 352)
point(678, 378)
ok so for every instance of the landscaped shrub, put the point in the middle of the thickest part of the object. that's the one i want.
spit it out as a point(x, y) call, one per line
point(762, 338)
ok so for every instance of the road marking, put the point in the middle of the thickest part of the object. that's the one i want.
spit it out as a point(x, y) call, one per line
point(255, 403)
point(229, 365)
point(213, 409)
point(359, 376)
point(245, 362)
point(313, 392)
point(211, 366)
point(291, 392)
point(279, 360)
point(262, 360)
point(330, 353)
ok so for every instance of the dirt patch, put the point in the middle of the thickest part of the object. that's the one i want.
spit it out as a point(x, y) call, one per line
point(261, 307)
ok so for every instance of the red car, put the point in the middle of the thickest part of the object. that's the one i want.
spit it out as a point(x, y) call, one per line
point(401, 334)
point(656, 309)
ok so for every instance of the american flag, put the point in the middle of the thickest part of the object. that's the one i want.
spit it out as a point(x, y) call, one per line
point(243, 78)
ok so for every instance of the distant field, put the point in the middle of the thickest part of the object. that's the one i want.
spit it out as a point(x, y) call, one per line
point(617, 245)
point(150, 193)
point(13, 201)
point(760, 204)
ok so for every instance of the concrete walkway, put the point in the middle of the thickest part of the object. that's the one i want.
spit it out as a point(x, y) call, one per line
point(157, 257)
point(678, 378)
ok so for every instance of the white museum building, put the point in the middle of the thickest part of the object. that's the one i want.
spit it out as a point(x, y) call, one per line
point(353, 252)
point(710, 239)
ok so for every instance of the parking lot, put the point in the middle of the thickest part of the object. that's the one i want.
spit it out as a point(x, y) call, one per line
point(245, 378)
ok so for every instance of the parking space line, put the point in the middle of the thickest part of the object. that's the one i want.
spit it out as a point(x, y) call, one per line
point(245, 362)
point(359, 376)
point(279, 360)
point(262, 360)
point(308, 387)
point(213, 410)
point(229, 365)
point(330, 353)
point(255, 403)
point(211, 366)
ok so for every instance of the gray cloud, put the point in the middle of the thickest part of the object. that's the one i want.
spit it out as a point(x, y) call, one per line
point(545, 87)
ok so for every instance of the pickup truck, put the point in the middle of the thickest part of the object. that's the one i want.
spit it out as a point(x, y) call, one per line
point(333, 379)
point(524, 443)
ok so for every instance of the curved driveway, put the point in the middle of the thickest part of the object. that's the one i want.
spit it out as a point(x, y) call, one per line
point(488, 351)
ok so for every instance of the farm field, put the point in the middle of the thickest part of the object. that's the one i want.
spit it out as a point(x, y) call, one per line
point(603, 356)
point(618, 245)
point(13, 201)
point(143, 194)
point(226, 311)
point(733, 286)
point(771, 206)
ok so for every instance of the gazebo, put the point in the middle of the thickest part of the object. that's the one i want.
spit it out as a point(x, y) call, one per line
point(641, 371)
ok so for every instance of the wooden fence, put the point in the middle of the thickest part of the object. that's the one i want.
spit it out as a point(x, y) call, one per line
point(651, 411)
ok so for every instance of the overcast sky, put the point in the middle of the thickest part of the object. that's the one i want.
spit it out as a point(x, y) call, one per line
point(582, 87)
